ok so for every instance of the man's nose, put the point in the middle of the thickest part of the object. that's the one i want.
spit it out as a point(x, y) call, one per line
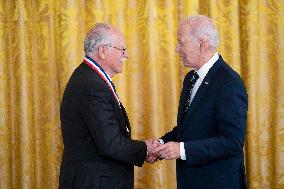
point(125, 54)
point(177, 48)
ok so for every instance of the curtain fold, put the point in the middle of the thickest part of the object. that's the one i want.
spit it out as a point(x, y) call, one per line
point(41, 43)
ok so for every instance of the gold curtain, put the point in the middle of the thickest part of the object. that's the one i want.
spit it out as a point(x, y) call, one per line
point(41, 42)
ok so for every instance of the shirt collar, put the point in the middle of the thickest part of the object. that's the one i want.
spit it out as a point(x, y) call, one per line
point(202, 72)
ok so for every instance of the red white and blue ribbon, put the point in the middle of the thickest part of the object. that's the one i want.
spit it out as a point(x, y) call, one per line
point(90, 62)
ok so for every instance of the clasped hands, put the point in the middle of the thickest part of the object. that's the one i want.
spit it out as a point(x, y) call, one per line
point(156, 151)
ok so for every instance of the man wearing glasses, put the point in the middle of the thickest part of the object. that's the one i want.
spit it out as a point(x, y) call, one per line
point(98, 150)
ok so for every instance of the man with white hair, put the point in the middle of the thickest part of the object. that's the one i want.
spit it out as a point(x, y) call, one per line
point(98, 151)
point(208, 140)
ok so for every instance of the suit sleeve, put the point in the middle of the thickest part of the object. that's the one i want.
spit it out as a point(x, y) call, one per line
point(231, 110)
point(170, 136)
point(97, 111)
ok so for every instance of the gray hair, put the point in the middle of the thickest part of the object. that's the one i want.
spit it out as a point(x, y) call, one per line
point(100, 34)
point(203, 27)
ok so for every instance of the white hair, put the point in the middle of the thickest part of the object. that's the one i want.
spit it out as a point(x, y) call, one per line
point(98, 35)
point(203, 28)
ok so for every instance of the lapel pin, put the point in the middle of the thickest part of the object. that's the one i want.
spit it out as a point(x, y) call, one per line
point(206, 82)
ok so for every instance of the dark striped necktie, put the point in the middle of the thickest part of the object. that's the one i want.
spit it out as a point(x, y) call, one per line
point(192, 81)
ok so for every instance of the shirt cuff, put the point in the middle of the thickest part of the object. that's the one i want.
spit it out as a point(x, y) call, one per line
point(161, 141)
point(182, 151)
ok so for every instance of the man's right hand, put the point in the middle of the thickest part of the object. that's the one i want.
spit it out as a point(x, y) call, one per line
point(151, 145)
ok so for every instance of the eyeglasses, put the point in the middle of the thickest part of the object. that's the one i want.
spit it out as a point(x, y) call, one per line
point(121, 49)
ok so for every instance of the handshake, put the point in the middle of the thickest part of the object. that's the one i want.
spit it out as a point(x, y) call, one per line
point(156, 150)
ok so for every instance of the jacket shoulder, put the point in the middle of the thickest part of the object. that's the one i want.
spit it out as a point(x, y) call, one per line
point(226, 74)
point(85, 77)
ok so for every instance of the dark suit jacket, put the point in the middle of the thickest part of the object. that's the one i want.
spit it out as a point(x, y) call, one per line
point(213, 131)
point(98, 152)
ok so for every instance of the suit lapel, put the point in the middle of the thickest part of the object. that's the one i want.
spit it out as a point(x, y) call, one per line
point(120, 110)
point(199, 94)
point(203, 89)
point(126, 120)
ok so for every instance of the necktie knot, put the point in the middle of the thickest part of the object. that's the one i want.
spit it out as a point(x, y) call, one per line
point(194, 78)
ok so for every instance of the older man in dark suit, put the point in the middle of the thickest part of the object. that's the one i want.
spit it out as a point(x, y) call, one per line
point(211, 123)
point(98, 151)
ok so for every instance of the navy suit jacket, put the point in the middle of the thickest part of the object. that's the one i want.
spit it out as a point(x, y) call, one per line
point(213, 131)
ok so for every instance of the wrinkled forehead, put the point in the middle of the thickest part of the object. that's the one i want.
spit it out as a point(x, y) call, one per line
point(117, 37)
point(183, 30)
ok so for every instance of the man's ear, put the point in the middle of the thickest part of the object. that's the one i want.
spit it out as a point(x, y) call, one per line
point(102, 52)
